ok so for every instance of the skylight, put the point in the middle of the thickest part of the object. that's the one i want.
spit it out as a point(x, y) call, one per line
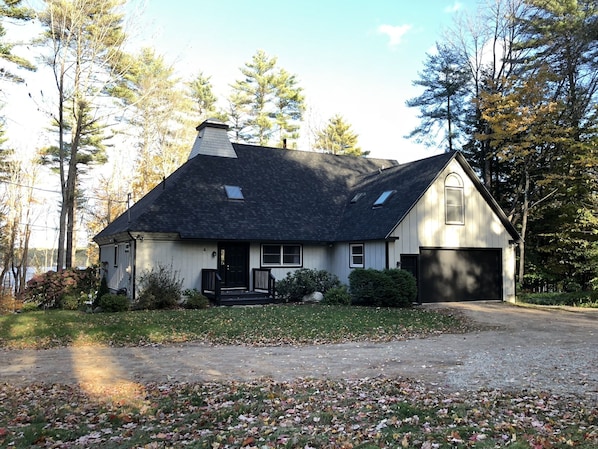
point(234, 192)
point(357, 197)
point(383, 197)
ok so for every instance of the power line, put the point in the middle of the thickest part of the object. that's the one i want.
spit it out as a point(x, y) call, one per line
point(60, 193)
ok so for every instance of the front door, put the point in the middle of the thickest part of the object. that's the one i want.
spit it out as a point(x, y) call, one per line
point(233, 264)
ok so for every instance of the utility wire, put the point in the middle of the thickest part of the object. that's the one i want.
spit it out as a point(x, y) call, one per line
point(59, 193)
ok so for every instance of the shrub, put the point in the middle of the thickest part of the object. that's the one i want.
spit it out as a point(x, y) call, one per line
point(102, 290)
point(572, 286)
point(305, 281)
point(29, 307)
point(387, 288)
point(406, 284)
point(371, 287)
point(71, 301)
point(54, 288)
point(575, 299)
point(337, 296)
point(160, 288)
point(195, 300)
point(113, 303)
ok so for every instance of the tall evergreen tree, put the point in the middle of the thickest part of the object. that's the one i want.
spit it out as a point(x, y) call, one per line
point(267, 103)
point(563, 35)
point(15, 201)
point(13, 10)
point(338, 138)
point(203, 99)
point(157, 110)
point(487, 42)
point(84, 39)
point(442, 105)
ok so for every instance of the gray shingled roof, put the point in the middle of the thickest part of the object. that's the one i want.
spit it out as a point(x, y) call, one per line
point(290, 196)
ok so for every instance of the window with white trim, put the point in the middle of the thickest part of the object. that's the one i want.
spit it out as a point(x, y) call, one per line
point(453, 199)
point(356, 255)
point(281, 255)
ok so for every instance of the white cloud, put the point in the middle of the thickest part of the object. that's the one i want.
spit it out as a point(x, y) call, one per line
point(453, 8)
point(395, 33)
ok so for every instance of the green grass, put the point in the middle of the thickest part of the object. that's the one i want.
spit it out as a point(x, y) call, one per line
point(269, 325)
point(584, 299)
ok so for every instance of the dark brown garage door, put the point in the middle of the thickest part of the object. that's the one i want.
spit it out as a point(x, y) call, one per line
point(460, 274)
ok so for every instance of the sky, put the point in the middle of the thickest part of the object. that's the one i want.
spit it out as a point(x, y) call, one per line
point(354, 58)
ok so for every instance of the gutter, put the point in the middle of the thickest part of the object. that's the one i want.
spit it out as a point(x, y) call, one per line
point(133, 265)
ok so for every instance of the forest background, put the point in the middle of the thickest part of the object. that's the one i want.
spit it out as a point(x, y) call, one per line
point(512, 84)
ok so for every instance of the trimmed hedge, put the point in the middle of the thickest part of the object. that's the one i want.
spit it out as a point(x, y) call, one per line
point(387, 288)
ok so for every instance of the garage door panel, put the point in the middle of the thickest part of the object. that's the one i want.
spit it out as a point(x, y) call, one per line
point(460, 275)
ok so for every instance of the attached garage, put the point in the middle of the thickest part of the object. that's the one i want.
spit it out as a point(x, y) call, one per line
point(460, 274)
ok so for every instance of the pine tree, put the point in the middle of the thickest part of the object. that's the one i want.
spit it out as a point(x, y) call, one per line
point(445, 79)
point(13, 10)
point(203, 99)
point(267, 103)
point(338, 138)
point(84, 39)
point(158, 110)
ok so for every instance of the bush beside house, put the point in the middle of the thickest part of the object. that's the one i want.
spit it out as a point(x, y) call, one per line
point(295, 286)
point(113, 303)
point(386, 288)
point(159, 288)
point(67, 289)
point(367, 287)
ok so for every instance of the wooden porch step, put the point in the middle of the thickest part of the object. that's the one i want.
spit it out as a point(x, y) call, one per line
point(240, 297)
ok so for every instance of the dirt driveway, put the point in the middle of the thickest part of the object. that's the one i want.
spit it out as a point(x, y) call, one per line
point(525, 348)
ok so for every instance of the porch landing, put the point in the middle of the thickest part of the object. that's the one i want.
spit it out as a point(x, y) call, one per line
point(241, 298)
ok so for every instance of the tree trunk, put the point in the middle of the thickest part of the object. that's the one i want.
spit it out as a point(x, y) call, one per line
point(524, 217)
point(61, 162)
point(72, 183)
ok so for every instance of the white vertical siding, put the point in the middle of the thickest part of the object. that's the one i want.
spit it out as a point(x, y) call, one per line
point(425, 223)
point(374, 257)
point(188, 259)
point(315, 257)
point(119, 275)
point(183, 257)
point(425, 226)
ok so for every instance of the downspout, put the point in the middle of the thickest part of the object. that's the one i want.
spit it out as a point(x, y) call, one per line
point(133, 250)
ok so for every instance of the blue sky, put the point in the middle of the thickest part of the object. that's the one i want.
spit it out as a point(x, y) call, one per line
point(354, 58)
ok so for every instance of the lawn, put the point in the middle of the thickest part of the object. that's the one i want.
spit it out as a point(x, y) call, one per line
point(304, 413)
point(269, 325)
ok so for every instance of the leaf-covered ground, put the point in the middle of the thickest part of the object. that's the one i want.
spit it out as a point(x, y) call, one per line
point(366, 413)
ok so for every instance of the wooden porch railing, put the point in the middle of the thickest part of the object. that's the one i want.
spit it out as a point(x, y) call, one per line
point(211, 283)
point(263, 281)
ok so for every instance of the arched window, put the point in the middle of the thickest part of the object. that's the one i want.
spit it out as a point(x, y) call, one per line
point(453, 199)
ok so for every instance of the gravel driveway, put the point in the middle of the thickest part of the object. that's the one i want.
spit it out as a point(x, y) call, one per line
point(524, 348)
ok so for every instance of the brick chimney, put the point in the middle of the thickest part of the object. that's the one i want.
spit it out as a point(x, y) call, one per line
point(212, 140)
